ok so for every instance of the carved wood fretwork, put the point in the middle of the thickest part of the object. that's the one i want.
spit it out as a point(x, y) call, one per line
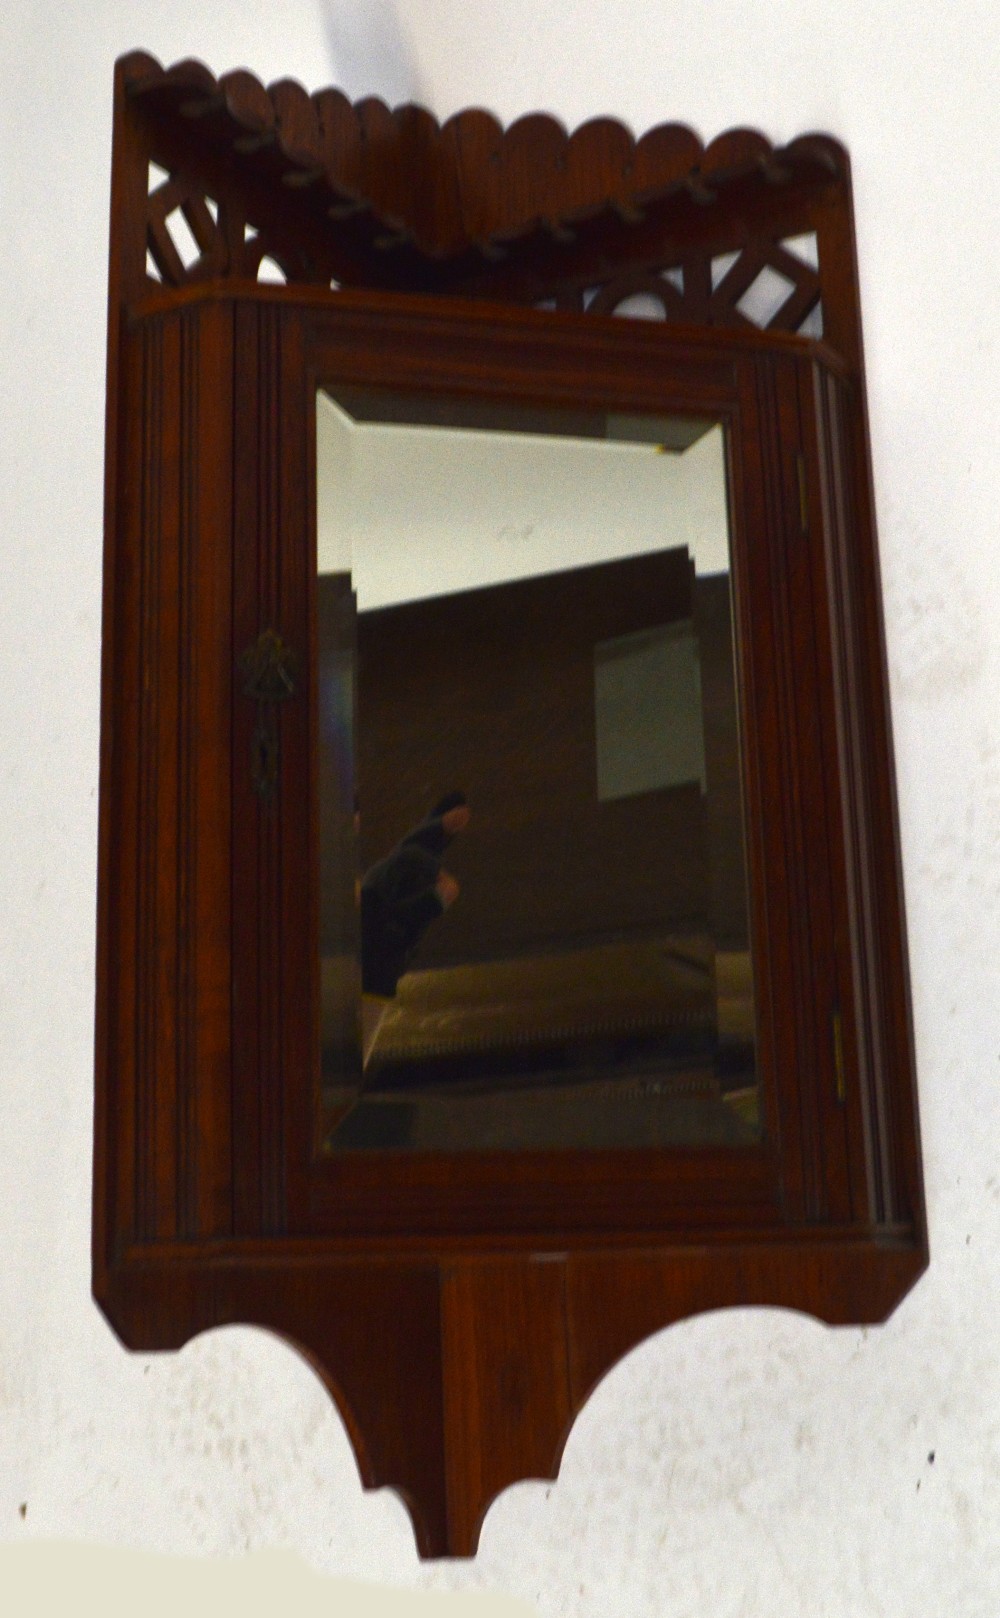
point(219, 242)
point(359, 195)
point(460, 1308)
point(767, 285)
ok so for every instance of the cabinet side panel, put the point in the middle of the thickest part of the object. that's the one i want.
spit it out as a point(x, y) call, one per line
point(164, 1076)
point(160, 944)
point(206, 674)
point(788, 830)
point(114, 1078)
point(883, 1048)
point(275, 962)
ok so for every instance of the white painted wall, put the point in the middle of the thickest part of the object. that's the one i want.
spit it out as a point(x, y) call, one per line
point(742, 1464)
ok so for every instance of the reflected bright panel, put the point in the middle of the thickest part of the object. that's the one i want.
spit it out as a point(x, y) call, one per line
point(533, 891)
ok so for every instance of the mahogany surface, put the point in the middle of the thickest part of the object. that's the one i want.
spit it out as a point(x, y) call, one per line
point(461, 1310)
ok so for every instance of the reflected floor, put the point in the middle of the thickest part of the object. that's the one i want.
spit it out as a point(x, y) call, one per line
point(598, 1116)
point(628, 1045)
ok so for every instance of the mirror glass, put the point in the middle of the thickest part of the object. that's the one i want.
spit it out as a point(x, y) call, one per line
point(533, 895)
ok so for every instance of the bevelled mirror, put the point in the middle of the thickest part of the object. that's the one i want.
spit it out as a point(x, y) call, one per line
point(555, 953)
point(501, 944)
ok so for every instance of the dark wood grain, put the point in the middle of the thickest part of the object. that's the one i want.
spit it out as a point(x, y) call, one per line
point(506, 1380)
point(168, 1021)
point(460, 1309)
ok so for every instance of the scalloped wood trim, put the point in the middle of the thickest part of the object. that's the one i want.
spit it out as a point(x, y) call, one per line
point(330, 193)
point(469, 183)
point(459, 1376)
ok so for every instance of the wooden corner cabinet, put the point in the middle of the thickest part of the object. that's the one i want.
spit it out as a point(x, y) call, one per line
point(656, 1058)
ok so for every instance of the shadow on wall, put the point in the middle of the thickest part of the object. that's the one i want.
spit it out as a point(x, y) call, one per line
point(370, 53)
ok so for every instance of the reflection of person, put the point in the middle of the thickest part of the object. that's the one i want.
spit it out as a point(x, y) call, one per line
point(400, 897)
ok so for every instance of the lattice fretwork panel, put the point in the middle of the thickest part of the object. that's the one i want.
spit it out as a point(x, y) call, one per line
point(190, 237)
point(771, 285)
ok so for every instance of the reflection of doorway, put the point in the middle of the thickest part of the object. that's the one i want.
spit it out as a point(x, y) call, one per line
point(589, 916)
point(493, 691)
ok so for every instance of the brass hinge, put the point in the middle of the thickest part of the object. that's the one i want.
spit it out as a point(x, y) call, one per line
point(838, 1056)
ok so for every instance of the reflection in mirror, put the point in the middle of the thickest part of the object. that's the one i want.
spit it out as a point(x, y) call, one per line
point(533, 924)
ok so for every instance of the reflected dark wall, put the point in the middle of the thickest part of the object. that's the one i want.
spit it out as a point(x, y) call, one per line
point(724, 802)
point(337, 621)
point(493, 691)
